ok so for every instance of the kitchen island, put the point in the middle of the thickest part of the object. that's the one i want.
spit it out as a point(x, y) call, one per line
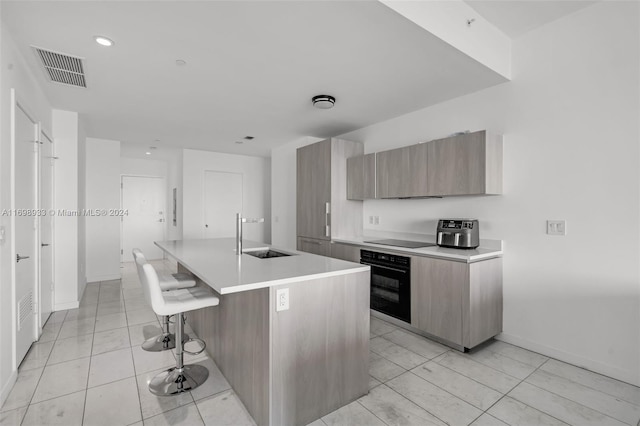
point(288, 366)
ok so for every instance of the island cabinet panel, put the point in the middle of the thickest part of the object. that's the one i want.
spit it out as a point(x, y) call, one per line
point(314, 246)
point(323, 210)
point(437, 287)
point(361, 177)
point(402, 172)
point(457, 302)
point(314, 190)
point(320, 348)
point(466, 164)
point(236, 333)
point(347, 252)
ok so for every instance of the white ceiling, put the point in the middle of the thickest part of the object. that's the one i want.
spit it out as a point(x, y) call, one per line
point(252, 68)
point(516, 17)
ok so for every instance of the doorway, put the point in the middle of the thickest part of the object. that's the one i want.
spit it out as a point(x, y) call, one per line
point(24, 227)
point(144, 200)
point(222, 200)
point(47, 160)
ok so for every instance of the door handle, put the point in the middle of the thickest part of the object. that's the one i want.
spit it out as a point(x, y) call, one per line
point(44, 245)
point(327, 212)
point(19, 258)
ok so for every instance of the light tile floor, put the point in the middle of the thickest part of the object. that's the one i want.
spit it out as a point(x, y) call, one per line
point(88, 368)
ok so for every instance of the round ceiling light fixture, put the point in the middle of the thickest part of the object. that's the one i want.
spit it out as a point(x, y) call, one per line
point(323, 101)
point(103, 41)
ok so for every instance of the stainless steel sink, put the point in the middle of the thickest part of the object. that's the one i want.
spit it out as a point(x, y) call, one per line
point(265, 253)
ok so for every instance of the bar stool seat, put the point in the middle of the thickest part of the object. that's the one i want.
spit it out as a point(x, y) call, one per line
point(181, 378)
point(168, 282)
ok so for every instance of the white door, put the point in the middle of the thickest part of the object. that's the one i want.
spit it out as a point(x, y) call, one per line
point(145, 200)
point(222, 200)
point(25, 157)
point(46, 228)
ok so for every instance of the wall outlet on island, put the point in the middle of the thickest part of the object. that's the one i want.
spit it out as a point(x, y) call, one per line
point(282, 299)
point(376, 220)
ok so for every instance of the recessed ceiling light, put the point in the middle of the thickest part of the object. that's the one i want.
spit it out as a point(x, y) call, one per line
point(181, 62)
point(148, 153)
point(103, 41)
point(249, 138)
point(323, 101)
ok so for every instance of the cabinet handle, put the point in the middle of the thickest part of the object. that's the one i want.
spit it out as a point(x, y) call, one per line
point(327, 213)
point(318, 243)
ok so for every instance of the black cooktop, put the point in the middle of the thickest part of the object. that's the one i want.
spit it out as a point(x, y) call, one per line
point(401, 243)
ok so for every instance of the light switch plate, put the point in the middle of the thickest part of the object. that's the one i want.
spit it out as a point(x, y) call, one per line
point(557, 227)
point(282, 299)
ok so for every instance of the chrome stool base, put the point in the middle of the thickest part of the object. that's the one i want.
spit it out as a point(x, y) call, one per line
point(175, 380)
point(162, 342)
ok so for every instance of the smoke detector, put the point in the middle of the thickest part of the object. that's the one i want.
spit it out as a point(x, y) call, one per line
point(323, 101)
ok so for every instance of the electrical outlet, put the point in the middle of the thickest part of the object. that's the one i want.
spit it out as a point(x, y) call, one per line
point(370, 220)
point(376, 220)
point(557, 227)
point(282, 299)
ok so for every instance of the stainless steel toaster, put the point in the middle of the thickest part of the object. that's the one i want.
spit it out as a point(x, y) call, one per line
point(458, 233)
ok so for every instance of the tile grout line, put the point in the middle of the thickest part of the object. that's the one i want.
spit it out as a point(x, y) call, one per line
point(534, 408)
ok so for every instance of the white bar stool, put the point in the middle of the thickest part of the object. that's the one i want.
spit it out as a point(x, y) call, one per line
point(166, 340)
point(181, 378)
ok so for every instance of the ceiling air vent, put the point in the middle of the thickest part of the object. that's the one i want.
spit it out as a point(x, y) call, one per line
point(62, 68)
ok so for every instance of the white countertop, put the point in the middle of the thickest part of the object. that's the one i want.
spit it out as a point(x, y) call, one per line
point(488, 248)
point(215, 262)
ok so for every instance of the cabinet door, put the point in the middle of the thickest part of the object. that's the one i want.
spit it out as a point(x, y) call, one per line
point(361, 177)
point(392, 169)
point(402, 172)
point(314, 190)
point(347, 252)
point(369, 169)
point(437, 288)
point(314, 246)
point(457, 165)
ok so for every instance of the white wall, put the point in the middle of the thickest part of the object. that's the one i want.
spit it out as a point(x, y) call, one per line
point(570, 119)
point(14, 74)
point(283, 192)
point(67, 244)
point(256, 190)
point(103, 192)
point(82, 205)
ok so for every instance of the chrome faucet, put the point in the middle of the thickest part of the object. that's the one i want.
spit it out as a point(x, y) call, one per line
point(239, 221)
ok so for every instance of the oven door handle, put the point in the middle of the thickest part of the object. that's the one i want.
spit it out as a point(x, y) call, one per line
point(384, 267)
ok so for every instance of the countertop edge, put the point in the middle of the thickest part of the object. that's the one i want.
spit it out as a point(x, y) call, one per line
point(447, 256)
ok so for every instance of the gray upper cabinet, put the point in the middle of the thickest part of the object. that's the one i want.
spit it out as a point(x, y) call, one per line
point(402, 172)
point(361, 177)
point(323, 210)
point(467, 164)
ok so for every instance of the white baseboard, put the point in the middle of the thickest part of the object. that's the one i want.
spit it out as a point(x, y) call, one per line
point(6, 388)
point(95, 278)
point(586, 363)
point(65, 306)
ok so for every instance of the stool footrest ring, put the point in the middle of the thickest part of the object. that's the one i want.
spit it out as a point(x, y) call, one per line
point(202, 343)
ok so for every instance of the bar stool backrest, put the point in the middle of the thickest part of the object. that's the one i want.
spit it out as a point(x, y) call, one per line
point(151, 288)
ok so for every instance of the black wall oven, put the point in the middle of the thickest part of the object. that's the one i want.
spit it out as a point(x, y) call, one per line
point(390, 283)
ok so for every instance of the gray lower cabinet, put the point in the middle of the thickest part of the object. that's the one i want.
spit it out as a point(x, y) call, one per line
point(458, 302)
point(347, 252)
point(361, 177)
point(314, 246)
